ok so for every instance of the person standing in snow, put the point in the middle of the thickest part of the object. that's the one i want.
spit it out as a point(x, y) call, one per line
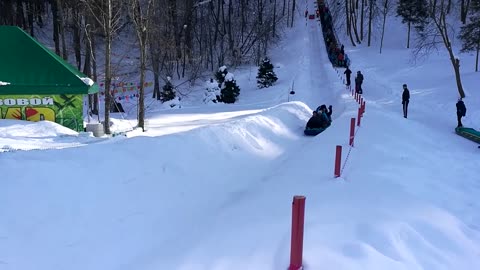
point(347, 73)
point(405, 100)
point(461, 111)
point(358, 82)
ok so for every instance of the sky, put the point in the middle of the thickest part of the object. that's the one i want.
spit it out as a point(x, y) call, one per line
point(210, 186)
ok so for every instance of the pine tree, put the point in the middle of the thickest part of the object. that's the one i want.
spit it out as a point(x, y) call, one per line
point(413, 12)
point(212, 92)
point(470, 33)
point(266, 76)
point(168, 92)
point(220, 75)
point(230, 89)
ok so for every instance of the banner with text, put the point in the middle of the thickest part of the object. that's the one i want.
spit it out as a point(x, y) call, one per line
point(65, 110)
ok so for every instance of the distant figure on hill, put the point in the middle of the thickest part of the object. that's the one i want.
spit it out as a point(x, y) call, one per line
point(358, 82)
point(405, 100)
point(347, 73)
point(461, 111)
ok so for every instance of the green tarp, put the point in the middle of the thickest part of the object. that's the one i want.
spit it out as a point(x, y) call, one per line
point(28, 67)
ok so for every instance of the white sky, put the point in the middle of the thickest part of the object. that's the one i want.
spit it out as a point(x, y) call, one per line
point(211, 186)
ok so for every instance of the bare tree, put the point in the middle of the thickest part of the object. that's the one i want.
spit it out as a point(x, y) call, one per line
point(464, 7)
point(371, 8)
point(107, 13)
point(141, 13)
point(436, 33)
point(470, 33)
point(386, 9)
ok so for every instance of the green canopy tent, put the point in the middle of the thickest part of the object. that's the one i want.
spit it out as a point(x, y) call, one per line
point(36, 84)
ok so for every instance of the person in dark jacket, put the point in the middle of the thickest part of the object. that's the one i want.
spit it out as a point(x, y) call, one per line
point(358, 82)
point(316, 121)
point(347, 73)
point(328, 112)
point(405, 100)
point(461, 111)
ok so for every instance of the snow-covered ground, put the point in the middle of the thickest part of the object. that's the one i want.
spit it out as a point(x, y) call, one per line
point(211, 186)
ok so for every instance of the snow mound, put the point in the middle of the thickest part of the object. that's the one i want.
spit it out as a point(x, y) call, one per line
point(18, 128)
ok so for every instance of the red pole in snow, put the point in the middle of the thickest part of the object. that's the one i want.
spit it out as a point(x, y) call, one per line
point(352, 131)
point(296, 248)
point(361, 101)
point(359, 115)
point(338, 160)
point(363, 107)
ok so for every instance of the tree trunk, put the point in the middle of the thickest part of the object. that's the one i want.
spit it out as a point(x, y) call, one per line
point(6, 12)
point(96, 104)
point(354, 19)
point(443, 29)
point(87, 66)
point(141, 94)
point(20, 20)
point(361, 20)
point(231, 46)
point(354, 26)
point(370, 18)
point(385, 12)
point(274, 18)
point(56, 26)
point(293, 11)
point(465, 4)
point(30, 11)
point(61, 29)
point(476, 57)
point(288, 14)
point(408, 35)
point(349, 23)
point(77, 24)
point(108, 73)
point(142, 36)
point(347, 18)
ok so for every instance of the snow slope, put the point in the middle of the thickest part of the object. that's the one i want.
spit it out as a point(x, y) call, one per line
point(210, 187)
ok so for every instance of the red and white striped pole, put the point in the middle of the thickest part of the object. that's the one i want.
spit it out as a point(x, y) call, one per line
point(359, 116)
point(352, 131)
point(338, 160)
point(296, 248)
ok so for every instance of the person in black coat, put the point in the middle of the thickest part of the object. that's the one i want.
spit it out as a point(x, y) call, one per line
point(347, 73)
point(405, 100)
point(358, 82)
point(328, 112)
point(316, 121)
point(461, 111)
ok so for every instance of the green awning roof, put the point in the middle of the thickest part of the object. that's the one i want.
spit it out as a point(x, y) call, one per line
point(28, 67)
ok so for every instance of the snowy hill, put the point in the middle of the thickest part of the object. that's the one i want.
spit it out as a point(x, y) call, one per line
point(210, 186)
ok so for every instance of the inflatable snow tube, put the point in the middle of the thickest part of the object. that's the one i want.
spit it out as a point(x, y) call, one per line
point(313, 131)
point(469, 133)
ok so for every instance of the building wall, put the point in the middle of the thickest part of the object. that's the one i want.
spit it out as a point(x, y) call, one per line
point(66, 110)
